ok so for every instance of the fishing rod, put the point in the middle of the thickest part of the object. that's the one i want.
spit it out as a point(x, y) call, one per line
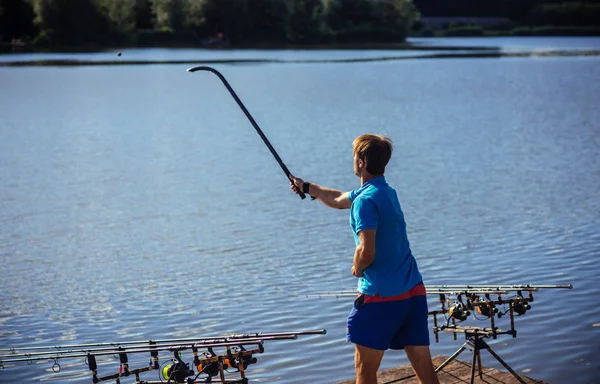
point(428, 290)
point(516, 287)
point(236, 355)
point(63, 353)
point(456, 289)
point(116, 351)
point(90, 346)
point(285, 169)
point(483, 302)
point(177, 371)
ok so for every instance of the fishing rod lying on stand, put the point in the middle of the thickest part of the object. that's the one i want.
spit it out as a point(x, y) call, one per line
point(484, 302)
point(489, 302)
point(236, 352)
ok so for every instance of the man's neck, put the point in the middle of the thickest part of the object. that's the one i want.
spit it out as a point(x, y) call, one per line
point(366, 177)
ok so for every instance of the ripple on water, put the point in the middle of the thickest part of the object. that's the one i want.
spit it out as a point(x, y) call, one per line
point(115, 231)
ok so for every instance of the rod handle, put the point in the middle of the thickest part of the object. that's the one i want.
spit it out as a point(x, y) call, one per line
point(300, 193)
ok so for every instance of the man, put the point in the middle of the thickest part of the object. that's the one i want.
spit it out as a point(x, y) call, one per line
point(390, 311)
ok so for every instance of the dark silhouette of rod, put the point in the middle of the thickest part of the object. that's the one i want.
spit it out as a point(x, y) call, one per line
point(251, 119)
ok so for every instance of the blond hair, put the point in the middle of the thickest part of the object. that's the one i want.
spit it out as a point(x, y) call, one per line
point(376, 150)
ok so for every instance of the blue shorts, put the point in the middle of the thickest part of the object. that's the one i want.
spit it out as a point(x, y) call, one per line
point(388, 324)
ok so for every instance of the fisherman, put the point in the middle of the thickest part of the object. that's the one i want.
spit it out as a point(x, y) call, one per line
point(390, 311)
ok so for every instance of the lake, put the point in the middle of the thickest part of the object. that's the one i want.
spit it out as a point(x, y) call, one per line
point(137, 202)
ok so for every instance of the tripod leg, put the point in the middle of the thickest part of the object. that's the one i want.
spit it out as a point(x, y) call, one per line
point(473, 362)
point(479, 364)
point(454, 356)
point(506, 365)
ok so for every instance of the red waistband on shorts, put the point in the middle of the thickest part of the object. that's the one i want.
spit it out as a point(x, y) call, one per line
point(417, 290)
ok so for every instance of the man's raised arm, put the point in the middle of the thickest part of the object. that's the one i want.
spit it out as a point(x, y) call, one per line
point(330, 197)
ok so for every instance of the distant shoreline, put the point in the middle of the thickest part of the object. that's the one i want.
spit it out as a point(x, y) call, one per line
point(403, 46)
point(7, 47)
point(536, 53)
point(514, 31)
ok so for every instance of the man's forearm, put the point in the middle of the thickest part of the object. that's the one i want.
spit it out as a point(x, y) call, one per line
point(362, 259)
point(327, 196)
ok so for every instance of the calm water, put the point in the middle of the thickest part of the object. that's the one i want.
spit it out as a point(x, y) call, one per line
point(137, 202)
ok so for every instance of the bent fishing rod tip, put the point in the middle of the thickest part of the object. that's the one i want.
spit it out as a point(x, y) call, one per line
point(203, 68)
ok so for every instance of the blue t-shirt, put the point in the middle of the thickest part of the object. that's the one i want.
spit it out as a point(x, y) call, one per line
point(394, 270)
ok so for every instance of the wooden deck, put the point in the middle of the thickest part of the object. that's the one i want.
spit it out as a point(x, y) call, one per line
point(457, 372)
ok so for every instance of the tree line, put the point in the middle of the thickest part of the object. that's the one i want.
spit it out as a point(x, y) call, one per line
point(57, 23)
point(193, 22)
point(542, 17)
point(528, 12)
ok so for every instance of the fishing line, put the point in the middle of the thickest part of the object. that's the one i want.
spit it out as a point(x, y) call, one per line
point(263, 282)
point(232, 266)
point(290, 273)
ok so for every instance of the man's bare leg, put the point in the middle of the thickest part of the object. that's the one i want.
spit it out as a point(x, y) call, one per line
point(366, 362)
point(420, 359)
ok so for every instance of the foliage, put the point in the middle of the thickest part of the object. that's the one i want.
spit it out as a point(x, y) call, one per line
point(556, 31)
point(16, 19)
point(144, 14)
point(68, 22)
point(120, 14)
point(305, 21)
point(534, 12)
point(464, 30)
point(566, 13)
point(370, 20)
point(170, 13)
point(253, 22)
point(519, 10)
point(463, 8)
point(539, 17)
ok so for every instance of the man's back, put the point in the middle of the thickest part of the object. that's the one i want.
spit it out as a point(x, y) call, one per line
point(394, 270)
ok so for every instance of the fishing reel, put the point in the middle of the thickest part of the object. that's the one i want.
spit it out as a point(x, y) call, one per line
point(487, 310)
point(177, 372)
point(240, 362)
point(210, 368)
point(520, 308)
point(483, 307)
point(458, 311)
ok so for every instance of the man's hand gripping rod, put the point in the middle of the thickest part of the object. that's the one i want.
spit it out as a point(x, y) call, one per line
point(250, 118)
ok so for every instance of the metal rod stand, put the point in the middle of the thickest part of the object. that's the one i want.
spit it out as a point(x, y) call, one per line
point(475, 343)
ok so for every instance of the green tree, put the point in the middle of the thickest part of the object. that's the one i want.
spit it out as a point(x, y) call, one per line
point(370, 20)
point(120, 14)
point(16, 19)
point(397, 16)
point(213, 17)
point(519, 10)
point(195, 16)
point(244, 21)
point(464, 8)
point(170, 14)
point(305, 20)
point(70, 22)
point(144, 15)
point(566, 14)
point(343, 14)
